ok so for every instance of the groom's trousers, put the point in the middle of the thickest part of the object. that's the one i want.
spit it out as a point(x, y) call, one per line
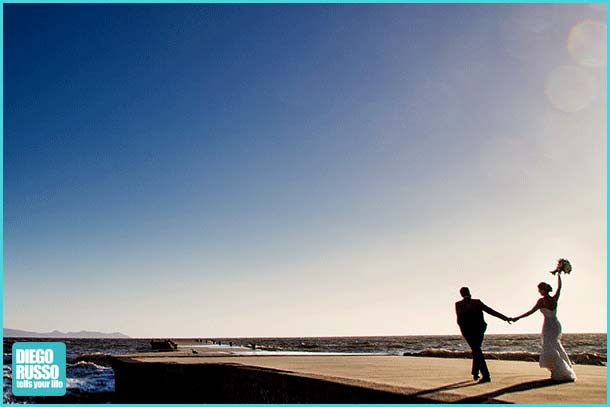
point(475, 341)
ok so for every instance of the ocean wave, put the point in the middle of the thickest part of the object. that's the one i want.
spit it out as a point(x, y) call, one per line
point(89, 373)
point(86, 365)
point(270, 348)
point(98, 384)
point(579, 358)
point(305, 345)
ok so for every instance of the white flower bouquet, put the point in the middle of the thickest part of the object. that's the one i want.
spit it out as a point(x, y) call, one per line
point(563, 266)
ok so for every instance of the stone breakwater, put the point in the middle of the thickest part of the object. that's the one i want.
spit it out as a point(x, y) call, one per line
point(579, 359)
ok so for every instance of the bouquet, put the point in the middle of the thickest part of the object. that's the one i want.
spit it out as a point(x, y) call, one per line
point(563, 266)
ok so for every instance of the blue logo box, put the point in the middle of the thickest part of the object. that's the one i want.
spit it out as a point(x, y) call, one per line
point(39, 369)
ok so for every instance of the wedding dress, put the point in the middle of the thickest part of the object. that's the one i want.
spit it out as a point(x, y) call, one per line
point(553, 355)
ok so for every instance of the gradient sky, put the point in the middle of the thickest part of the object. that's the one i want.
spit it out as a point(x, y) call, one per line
point(296, 170)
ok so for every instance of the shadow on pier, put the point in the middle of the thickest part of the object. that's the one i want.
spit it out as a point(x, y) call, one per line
point(234, 383)
point(487, 397)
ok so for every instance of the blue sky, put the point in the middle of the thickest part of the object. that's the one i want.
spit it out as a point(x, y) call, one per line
point(244, 170)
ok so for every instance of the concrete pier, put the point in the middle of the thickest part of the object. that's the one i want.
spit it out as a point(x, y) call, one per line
point(224, 377)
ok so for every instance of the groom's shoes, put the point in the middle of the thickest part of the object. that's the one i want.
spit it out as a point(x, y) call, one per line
point(475, 377)
point(485, 380)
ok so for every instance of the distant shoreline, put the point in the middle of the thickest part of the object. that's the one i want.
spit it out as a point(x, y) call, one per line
point(18, 333)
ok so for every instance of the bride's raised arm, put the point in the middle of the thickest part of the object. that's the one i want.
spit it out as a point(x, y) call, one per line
point(556, 296)
point(530, 312)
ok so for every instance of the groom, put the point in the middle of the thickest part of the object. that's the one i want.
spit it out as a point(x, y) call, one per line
point(472, 324)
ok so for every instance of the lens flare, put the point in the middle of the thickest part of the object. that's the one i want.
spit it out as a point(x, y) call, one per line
point(570, 88)
point(587, 43)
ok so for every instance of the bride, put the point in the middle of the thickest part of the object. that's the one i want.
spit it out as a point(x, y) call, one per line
point(553, 355)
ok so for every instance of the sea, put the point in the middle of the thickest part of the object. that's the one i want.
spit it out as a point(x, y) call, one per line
point(90, 377)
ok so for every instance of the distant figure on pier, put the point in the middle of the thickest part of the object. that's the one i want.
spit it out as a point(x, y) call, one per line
point(472, 325)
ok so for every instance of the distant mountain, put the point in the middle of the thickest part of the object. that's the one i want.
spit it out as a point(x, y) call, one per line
point(17, 333)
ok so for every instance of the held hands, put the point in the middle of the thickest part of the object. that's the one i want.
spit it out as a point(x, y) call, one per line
point(512, 320)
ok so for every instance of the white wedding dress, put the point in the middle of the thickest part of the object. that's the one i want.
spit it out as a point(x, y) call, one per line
point(553, 355)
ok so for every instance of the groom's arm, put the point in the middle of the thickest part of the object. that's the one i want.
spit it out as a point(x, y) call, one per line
point(494, 313)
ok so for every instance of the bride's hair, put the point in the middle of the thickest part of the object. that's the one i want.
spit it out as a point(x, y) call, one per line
point(545, 287)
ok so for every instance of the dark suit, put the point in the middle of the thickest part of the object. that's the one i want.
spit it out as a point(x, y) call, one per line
point(472, 324)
